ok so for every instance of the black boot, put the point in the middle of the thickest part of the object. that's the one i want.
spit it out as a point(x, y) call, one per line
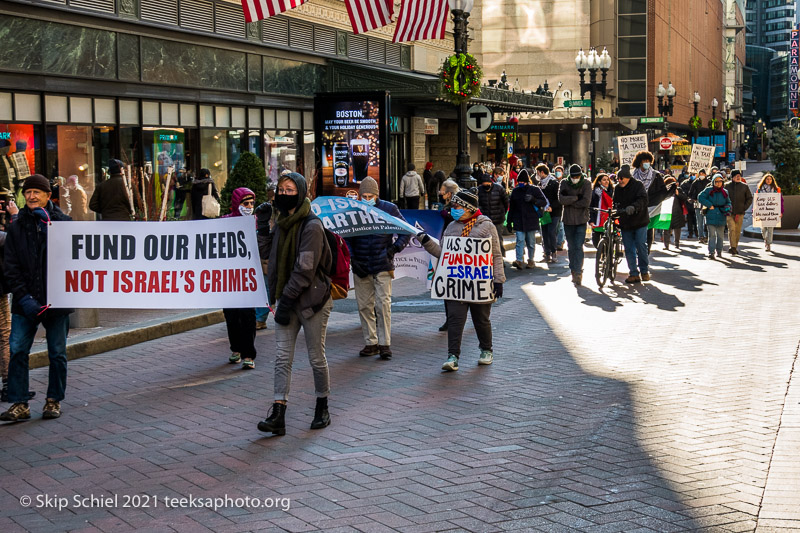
point(321, 417)
point(275, 422)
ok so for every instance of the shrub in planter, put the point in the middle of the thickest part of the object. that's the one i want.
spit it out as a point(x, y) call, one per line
point(247, 172)
point(785, 155)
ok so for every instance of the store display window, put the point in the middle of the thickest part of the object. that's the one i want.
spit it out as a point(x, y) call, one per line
point(17, 154)
point(280, 153)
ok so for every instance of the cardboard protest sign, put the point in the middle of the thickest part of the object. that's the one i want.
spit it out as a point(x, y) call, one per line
point(629, 145)
point(740, 165)
point(350, 218)
point(766, 209)
point(202, 264)
point(414, 261)
point(701, 159)
point(465, 271)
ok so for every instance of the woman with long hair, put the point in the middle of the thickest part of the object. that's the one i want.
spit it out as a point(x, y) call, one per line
point(767, 185)
point(602, 198)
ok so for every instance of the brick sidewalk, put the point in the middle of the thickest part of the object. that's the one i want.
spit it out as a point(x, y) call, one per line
point(654, 408)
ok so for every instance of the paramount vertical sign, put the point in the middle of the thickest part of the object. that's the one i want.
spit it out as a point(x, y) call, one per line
point(794, 81)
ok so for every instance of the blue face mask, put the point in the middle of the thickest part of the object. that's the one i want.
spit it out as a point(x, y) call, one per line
point(371, 202)
point(646, 166)
point(456, 213)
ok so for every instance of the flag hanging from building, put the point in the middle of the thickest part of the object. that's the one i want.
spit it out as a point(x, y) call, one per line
point(366, 15)
point(260, 9)
point(421, 20)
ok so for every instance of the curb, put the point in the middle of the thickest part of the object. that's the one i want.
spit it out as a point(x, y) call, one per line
point(756, 234)
point(124, 336)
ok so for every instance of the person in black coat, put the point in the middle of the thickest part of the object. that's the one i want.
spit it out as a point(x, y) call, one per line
point(526, 206)
point(549, 185)
point(699, 185)
point(678, 218)
point(493, 202)
point(110, 198)
point(653, 182)
point(630, 201)
point(200, 189)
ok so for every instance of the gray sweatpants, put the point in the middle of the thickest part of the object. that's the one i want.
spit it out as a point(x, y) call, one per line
point(314, 329)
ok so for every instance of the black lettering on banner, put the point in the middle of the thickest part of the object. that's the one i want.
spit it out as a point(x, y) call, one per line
point(200, 246)
point(182, 247)
point(150, 247)
point(242, 244)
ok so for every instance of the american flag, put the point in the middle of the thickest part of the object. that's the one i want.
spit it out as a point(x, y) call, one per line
point(366, 15)
point(260, 9)
point(420, 20)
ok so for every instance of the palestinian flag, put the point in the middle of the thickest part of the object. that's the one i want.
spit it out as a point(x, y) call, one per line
point(661, 214)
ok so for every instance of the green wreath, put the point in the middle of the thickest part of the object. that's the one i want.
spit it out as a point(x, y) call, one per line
point(460, 78)
point(713, 124)
point(728, 124)
point(695, 123)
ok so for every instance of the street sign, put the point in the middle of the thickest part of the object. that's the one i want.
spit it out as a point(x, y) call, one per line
point(578, 103)
point(479, 118)
point(665, 143)
point(651, 120)
point(510, 149)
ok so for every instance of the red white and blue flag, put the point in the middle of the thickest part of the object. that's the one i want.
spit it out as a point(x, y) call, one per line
point(421, 20)
point(260, 9)
point(366, 15)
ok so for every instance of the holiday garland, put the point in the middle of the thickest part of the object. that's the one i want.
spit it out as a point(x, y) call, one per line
point(460, 77)
point(728, 124)
point(695, 123)
point(713, 124)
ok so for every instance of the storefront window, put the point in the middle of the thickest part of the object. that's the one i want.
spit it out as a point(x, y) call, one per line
point(254, 144)
point(164, 159)
point(235, 139)
point(280, 153)
point(214, 155)
point(307, 169)
point(17, 154)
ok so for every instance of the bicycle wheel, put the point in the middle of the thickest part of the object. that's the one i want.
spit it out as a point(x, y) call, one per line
point(601, 263)
point(617, 260)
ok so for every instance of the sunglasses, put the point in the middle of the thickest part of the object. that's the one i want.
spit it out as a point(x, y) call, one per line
point(248, 202)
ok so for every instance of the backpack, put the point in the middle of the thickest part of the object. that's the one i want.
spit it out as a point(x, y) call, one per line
point(339, 271)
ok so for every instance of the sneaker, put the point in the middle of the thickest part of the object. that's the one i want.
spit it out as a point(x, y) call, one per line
point(530, 263)
point(18, 411)
point(486, 357)
point(385, 352)
point(235, 358)
point(248, 364)
point(451, 364)
point(52, 409)
point(261, 325)
point(633, 279)
point(369, 350)
point(646, 276)
point(518, 265)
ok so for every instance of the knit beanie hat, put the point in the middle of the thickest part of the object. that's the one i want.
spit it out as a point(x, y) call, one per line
point(624, 172)
point(735, 173)
point(485, 178)
point(466, 198)
point(115, 167)
point(37, 181)
point(368, 186)
point(575, 170)
point(523, 176)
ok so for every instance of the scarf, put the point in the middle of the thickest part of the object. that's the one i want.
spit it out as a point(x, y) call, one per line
point(714, 190)
point(469, 224)
point(287, 242)
point(545, 181)
point(645, 177)
point(576, 186)
point(768, 188)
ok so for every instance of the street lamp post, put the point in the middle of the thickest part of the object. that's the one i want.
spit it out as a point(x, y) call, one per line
point(714, 104)
point(665, 110)
point(593, 62)
point(696, 102)
point(461, 10)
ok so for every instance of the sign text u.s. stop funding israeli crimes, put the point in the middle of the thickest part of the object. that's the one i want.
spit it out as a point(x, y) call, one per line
point(465, 271)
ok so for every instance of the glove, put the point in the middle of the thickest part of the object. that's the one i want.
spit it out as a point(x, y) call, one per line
point(30, 307)
point(423, 238)
point(498, 289)
point(283, 313)
point(358, 270)
point(630, 210)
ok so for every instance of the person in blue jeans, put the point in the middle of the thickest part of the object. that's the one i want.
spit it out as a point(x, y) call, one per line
point(575, 195)
point(526, 204)
point(25, 267)
point(630, 202)
point(718, 204)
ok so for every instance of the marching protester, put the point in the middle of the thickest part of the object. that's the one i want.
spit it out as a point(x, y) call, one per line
point(718, 207)
point(653, 182)
point(468, 222)
point(493, 202)
point(741, 200)
point(575, 195)
point(200, 188)
point(698, 186)
point(558, 172)
point(691, 215)
point(526, 204)
point(298, 262)
point(412, 188)
point(602, 198)
point(448, 189)
point(678, 219)
point(25, 269)
point(630, 202)
point(767, 185)
point(548, 183)
point(264, 237)
point(432, 183)
point(372, 261)
point(110, 198)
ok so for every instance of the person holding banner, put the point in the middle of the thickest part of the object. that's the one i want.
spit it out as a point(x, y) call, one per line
point(575, 195)
point(25, 268)
point(298, 264)
point(630, 201)
point(718, 203)
point(110, 198)
point(768, 185)
point(741, 200)
point(469, 222)
point(653, 182)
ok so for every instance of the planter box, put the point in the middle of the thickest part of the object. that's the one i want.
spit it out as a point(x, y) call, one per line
point(791, 212)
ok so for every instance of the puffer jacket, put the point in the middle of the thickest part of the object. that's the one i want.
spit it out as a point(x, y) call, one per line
point(493, 202)
point(575, 202)
point(25, 259)
point(721, 202)
point(369, 254)
point(698, 186)
point(527, 205)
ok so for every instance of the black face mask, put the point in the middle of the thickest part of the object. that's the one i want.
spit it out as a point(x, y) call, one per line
point(285, 202)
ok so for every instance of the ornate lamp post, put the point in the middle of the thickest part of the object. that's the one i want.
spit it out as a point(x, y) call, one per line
point(593, 62)
point(665, 110)
point(696, 102)
point(460, 10)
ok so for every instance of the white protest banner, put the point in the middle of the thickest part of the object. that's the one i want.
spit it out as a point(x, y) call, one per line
point(202, 264)
point(465, 271)
point(349, 218)
point(629, 145)
point(740, 165)
point(701, 158)
point(766, 209)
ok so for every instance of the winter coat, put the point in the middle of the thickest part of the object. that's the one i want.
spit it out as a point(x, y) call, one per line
point(200, 189)
point(575, 201)
point(601, 199)
point(432, 185)
point(411, 185)
point(110, 199)
point(77, 202)
point(550, 190)
point(370, 253)
point(632, 194)
point(236, 199)
point(721, 202)
point(678, 205)
point(264, 230)
point(656, 190)
point(25, 259)
point(698, 186)
point(493, 202)
point(741, 197)
point(3, 287)
point(483, 228)
point(526, 206)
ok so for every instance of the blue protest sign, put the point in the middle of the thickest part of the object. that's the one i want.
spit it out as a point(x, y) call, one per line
point(350, 218)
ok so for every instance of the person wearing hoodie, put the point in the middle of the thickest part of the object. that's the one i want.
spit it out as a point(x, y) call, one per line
point(200, 189)
point(527, 204)
point(110, 198)
point(548, 183)
point(468, 222)
point(653, 182)
point(298, 281)
point(698, 186)
point(241, 322)
point(630, 201)
point(412, 188)
point(575, 195)
point(741, 200)
point(718, 205)
point(768, 185)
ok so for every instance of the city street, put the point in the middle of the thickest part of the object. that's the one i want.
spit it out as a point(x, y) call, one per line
point(662, 407)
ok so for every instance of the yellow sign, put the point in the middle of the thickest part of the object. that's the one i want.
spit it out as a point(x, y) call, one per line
point(684, 149)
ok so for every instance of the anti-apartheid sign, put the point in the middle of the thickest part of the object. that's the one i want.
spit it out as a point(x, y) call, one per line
point(155, 265)
point(465, 271)
point(766, 209)
point(701, 158)
point(629, 145)
point(350, 218)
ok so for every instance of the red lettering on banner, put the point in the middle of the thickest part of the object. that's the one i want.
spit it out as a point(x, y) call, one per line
point(140, 283)
point(216, 281)
point(188, 281)
point(72, 281)
point(253, 282)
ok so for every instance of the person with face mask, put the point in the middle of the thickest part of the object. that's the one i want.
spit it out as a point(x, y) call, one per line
point(372, 262)
point(493, 201)
point(558, 172)
point(698, 186)
point(300, 293)
point(469, 222)
point(241, 322)
point(691, 216)
point(575, 195)
point(630, 201)
point(549, 184)
point(653, 182)
point(718, 204)
point(448, 189)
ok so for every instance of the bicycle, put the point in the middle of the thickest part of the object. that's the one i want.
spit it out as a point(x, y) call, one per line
point(609, 250)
